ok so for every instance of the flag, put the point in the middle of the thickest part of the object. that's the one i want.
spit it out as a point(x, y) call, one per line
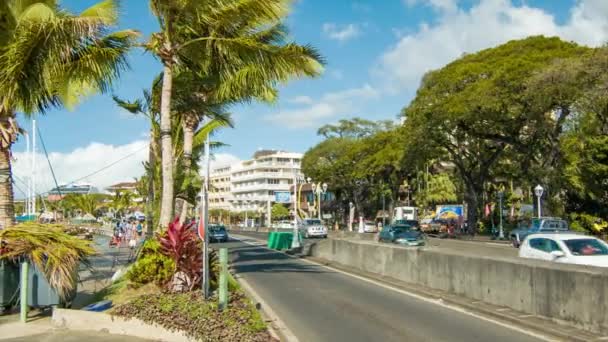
point(201, 229)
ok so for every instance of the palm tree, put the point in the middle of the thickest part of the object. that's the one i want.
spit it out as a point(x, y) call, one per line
point(50, 57)
point(241, 41)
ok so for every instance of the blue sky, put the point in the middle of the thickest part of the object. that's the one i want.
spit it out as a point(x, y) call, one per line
point(376, 52)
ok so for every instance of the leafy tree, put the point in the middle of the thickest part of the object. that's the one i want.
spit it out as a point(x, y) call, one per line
point(479, 110)
point(354, 128)
point(279, 211)
point(51, 57)
point(439, 189)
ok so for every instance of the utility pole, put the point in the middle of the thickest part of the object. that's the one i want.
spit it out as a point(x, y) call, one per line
point(34, 166)
point(205, 219)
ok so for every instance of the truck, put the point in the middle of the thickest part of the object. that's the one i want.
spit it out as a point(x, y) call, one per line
point(405, 213)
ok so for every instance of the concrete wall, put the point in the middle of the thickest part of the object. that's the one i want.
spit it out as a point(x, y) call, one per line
point(576, 294)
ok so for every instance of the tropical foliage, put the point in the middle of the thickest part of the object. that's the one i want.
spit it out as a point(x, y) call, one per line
point(528, 112)
point(53, 252)
point(51, 57)
point(182, 245)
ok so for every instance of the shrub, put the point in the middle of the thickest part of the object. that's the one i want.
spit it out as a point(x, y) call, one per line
point(152, 266)
point(181, 244)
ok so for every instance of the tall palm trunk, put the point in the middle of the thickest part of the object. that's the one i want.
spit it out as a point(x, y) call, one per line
point(8, 135)
point(166, 206)
point(7, 209)
point(190, 123)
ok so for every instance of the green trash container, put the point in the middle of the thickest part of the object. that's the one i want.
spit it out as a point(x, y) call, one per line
point(9, 284)
point(272, 240)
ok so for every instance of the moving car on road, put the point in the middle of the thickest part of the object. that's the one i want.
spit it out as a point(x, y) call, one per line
point(566, 248)
point(312, 228)
point(402, 234)
point(538, 225)
point(218, 233)
point(369, 227)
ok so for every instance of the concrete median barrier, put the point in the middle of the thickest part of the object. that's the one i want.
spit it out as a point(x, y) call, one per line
point(576, 295)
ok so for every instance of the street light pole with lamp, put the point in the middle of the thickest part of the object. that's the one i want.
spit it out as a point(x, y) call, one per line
point(538, 191)
point(501, 233)
point(295, 241)
point(323, 190)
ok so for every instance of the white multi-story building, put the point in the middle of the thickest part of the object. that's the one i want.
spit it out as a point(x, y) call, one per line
point(219, 188)
point(250, 185)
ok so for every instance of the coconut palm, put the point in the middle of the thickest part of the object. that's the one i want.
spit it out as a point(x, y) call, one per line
point(241, 41)
point(50, 57)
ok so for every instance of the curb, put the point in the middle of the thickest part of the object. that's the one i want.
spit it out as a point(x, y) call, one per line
point(277, 328)
point(105, 323)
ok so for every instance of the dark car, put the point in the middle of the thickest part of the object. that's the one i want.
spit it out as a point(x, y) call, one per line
point(402, 234)
point(218, 233)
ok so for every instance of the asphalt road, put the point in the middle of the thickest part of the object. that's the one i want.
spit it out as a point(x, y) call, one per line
point(318, 304)
point(459, 246)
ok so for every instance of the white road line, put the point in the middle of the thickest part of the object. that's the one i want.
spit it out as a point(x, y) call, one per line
point(413, 295)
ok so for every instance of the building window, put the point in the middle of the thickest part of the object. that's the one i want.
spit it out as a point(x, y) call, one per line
point(273, 181)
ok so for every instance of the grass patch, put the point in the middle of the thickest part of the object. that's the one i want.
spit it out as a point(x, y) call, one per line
point(200, 319)
point(122, 292)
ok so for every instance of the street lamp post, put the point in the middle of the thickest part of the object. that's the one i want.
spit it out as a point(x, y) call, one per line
point(295, 241)
point(501, 234)
point(538, 191)
point(323, 191)
point(314, 189)
point(246, 214)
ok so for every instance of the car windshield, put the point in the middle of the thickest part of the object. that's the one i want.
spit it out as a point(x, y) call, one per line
point(401, 229)
point(586, 247)
point(217, 229)
point(311, 222)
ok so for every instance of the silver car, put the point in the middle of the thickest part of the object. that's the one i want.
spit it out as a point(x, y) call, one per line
point(312, 228)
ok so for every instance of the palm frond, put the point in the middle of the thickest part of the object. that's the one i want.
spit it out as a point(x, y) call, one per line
point(53, 252)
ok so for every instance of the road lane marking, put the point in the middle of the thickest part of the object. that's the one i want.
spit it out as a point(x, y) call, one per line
point(407, 293)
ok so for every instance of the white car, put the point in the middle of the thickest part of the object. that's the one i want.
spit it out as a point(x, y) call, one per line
point(312, 228)
point(369, 227)
point(568, 248)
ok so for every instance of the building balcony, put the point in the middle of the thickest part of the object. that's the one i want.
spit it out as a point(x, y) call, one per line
point(254, 198)
point(260, 187)
point(265, 175)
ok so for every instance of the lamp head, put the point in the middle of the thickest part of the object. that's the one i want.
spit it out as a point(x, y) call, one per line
point(538, 191)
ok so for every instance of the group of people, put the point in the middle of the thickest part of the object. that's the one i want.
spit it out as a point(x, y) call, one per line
point(127, 232)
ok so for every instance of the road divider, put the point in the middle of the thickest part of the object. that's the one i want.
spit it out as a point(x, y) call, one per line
point(576, 295)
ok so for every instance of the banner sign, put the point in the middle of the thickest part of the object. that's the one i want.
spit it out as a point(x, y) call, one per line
point(282, 197)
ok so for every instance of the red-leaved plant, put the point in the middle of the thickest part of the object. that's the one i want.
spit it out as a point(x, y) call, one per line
point(180, 242)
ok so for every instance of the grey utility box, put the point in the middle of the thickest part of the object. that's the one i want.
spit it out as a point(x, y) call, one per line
point(9, 284)
point(40, 292)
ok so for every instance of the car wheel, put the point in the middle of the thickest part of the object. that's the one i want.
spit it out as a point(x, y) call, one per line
point(514, 242)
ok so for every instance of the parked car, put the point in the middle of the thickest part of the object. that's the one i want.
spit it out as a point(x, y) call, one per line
point(218, 233)
point(312, 228)
point(370, 227)
point(402, 234)
point(567, 248)
point(285, 224)
point(537, 225)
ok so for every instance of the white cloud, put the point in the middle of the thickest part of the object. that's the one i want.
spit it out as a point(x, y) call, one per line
point(486, 24)
point(328, 107)
point(442, 5)
point(303, 99)
point(81, 162)
point(223, 159)
point(341, 33)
